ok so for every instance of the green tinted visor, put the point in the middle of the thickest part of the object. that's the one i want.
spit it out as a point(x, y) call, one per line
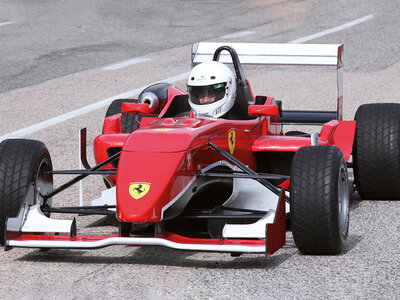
point(206, 94)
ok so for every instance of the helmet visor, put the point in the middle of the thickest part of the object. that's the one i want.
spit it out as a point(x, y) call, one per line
point(206, 94)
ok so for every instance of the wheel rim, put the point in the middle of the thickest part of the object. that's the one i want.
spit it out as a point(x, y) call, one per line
point(343, 200)
point(43, 182)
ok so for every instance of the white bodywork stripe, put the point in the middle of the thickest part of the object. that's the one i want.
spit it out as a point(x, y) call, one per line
point(213, 165)
point(169, 204)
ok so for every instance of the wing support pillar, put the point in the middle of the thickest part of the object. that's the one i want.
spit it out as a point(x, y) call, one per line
point(275, 236)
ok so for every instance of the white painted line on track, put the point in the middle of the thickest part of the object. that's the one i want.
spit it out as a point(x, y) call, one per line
point(6, 23)
point(126, 63)
point(89, 108)
point(83, 110)
point(332, 30)
point(237, 34)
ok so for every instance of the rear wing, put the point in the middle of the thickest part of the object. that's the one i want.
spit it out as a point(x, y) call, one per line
point(284, 54)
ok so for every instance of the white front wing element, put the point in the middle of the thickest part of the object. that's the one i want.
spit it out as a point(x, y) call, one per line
point(36, 221)
point(108, 197)
point(253, 230)
point(251, 194)
point(134, 242)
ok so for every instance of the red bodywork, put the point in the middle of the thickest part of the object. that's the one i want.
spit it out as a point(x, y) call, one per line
point(160, 159)
point(176, 168)
point(166, 153)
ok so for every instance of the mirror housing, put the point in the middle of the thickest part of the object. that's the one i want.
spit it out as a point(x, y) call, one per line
point(135, 108)
point(263, 110)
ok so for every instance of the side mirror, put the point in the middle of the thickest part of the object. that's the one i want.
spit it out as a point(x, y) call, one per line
point(263, 110)
point(135, 108)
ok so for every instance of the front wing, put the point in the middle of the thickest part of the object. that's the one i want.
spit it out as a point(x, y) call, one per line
point(275, 239)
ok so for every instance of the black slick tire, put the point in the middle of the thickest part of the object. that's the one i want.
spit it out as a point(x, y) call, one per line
point(376, 151)
point(129, 122)
point(319, 200)
point(22, 162)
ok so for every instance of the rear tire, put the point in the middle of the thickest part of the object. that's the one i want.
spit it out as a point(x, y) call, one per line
point(22, 162)
point(376, 151)
point(319, 200)
point(129, 122)
point(115, 107)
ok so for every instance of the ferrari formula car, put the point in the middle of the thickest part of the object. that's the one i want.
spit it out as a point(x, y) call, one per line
point(184, 181)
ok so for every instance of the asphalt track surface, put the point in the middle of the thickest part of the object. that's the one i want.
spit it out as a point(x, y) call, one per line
point(49, 70)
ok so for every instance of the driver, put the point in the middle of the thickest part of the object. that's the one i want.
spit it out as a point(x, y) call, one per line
point(212, 89)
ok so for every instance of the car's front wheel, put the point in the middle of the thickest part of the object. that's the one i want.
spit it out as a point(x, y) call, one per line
point(319, 200)
point(23, 164)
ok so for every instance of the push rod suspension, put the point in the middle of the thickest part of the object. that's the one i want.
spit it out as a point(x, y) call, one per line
point(245, 168)
point(241, 175)
point(80, 177)
point(80, 172)
point(82, 210)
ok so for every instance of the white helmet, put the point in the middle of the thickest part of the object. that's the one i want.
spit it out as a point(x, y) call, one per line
point(212, 89)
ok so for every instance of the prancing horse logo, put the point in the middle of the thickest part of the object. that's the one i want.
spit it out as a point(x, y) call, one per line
point(138, 189)
point(231, 141)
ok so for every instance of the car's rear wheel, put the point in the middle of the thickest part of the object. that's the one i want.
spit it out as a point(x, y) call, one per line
point(376, 151)
point(319, 200)
point(22, 165)
point(129, 122)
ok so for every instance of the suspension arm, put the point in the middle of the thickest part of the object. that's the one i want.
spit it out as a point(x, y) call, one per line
point(245, 168)
point(80, 177)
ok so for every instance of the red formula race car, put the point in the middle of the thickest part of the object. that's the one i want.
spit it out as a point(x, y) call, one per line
point(185, 181)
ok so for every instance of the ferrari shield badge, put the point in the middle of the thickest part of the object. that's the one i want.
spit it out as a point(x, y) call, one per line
point(138, 190)
point(231, 141)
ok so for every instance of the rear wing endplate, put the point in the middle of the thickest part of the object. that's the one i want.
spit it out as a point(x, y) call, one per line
point(279, 54)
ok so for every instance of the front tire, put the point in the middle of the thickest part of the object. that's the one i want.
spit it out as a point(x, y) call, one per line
point(319, 200)
point(22, 163)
